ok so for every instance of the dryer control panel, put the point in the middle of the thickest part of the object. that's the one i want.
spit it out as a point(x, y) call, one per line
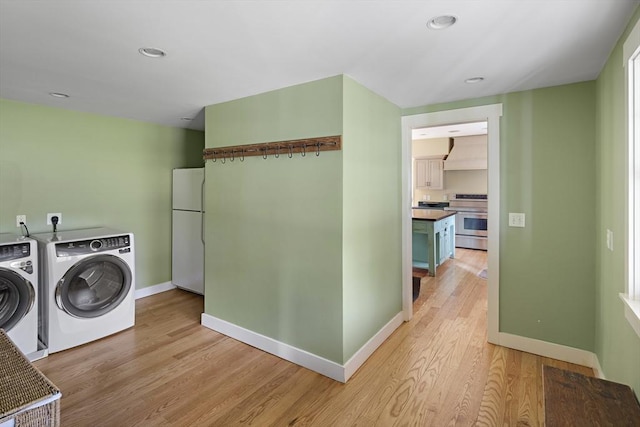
point(82, 247)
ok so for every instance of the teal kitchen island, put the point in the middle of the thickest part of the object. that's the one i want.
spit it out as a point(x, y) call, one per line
point(433, 237)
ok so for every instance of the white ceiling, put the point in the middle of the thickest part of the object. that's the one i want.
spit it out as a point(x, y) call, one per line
point(223, 50)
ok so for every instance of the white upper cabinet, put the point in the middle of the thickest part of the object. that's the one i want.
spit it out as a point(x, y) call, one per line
point(429, 174)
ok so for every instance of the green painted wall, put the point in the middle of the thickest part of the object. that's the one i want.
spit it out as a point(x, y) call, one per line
point(617, 345)
point(287, 255)
point(274, 227)
point(547, 157)
point(547, 269)
point(96, 171)
point(372, 270)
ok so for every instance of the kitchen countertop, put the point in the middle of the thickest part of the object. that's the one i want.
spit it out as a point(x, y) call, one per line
point(430, 214)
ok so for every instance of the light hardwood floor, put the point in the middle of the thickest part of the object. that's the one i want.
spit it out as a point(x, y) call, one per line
point(436, 370)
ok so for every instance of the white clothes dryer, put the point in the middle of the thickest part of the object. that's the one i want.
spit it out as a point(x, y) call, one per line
point(19, 291)
point(88, 279)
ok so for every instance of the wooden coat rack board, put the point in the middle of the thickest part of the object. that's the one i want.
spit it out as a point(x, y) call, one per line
point(276, 149)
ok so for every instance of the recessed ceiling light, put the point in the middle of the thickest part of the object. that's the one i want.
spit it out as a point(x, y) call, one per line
point(58, 95)
point(152, 52)
point(454, 131)
point(186, 119)
point(473, 80)
point(441, 22)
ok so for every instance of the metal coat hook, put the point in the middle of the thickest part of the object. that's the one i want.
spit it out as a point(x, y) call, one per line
point(290, 151)
point(242, 155)
point(223, 160)
point(304, 150)
point(264, 153)
point(214, 157)
point(277, 153)
point(317, 149)
point(233, 155)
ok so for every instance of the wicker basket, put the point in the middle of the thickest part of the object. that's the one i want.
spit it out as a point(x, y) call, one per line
point(27, 398)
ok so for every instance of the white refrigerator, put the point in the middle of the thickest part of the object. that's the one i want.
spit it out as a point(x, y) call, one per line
point(187, 249)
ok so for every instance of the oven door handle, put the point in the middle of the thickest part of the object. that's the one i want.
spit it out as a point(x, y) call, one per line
point(467, 210)
point(479, 215)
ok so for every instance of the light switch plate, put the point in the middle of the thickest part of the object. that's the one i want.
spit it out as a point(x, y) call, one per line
point(610, 240)
point(19, 219)
point(516, 219)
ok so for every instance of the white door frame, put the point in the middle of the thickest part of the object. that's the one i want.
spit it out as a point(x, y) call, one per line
point(490, 113)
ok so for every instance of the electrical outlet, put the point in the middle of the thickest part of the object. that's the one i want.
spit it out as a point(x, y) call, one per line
point(516, 219)
point(19, 219)
point(49, 215)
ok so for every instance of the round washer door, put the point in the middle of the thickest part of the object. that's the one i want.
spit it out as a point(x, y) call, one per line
point(94, 286)
point(16, 298)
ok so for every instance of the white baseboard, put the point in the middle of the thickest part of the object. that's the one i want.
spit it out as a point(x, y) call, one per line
point(342, 373)
point(155, 289)
point(300, 357)
point(597, 369)
point(285, 351)
point(367, 350)
point(551, 350)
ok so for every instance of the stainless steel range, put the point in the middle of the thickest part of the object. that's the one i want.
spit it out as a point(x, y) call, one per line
point(471, 220)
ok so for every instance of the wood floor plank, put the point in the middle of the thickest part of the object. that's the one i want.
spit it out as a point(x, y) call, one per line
point(435, 370)
point(458, 406)
point(528, 392)
point(430, 396)
point(511, 397)
point(493, 399)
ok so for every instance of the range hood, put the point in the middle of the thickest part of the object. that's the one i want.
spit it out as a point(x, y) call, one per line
point(467, 154)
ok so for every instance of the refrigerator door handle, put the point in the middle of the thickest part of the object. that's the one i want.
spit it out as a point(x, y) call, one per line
point(202, 212)
point(202, 227)
point(202, 195)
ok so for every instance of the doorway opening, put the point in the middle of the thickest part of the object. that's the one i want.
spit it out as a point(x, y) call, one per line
point(449, 177)
point(491, 115)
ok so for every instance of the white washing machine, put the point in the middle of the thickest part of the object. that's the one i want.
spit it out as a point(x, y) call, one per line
point(19, 291)
point(88, 285)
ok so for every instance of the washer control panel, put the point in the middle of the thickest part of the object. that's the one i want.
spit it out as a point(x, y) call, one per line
point(14, 251)
point(81, 247)
point(17, 251)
